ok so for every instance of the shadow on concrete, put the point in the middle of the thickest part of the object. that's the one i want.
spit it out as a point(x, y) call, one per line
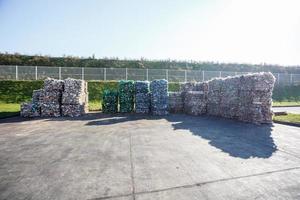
point(238, 139)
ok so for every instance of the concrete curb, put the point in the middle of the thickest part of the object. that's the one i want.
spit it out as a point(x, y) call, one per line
point(287, 123)
point(284, 106)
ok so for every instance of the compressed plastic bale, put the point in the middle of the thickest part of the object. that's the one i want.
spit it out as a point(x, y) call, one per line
point(50, 110)
point(37, 96)
point(110, 101)
point(159, 97)
point(195, 103)
point(126, 96)
point(50, 97)
point(189, 86)
point(142, 103)
point(74, 110)
point(142, 87)
point(30, 110)
point(75, 92)
point(213, 109)
point(51, 84)
point(175, 102)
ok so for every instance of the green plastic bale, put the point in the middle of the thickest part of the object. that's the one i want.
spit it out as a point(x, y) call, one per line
point(126, 96)
point(110, 101)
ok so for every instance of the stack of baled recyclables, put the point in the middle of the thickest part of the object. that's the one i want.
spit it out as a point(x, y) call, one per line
point(74, 98)
point(55, 100)
point(245, 98)
point(136, 96)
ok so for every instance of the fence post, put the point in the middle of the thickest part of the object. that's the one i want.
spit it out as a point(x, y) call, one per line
point(185, 78)
point(202, 76)
point(278, 75)
point(59, 73)
point(36, 76)
point(126, 75)
point(220, 74)
point(291, 79)
point(82, 73)
point(147, 74)
point(167, 75)
point(104, 74)
point(235, 73)
point(17, 74)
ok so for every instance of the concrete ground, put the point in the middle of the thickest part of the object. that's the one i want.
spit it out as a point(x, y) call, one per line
point(142, 157)
point(295, 110)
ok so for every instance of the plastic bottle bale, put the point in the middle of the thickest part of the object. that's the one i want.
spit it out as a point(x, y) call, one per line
point(126, 96)
point(75, 92)
point(142, 103)
point(142, 87)
point(50, 97)
point(50, 110)
point(159, 97)
point(37, 96)
point(30, 110)
point(51, 84)
point(175, 102)
point(195, 103)
point(110, 101)
point(74, 110)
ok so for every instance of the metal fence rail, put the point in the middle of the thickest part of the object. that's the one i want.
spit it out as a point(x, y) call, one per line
point(8, 72)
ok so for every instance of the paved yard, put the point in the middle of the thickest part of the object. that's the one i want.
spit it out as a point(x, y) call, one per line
point(134, 157)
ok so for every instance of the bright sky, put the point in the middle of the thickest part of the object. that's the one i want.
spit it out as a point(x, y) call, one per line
point(251, 31)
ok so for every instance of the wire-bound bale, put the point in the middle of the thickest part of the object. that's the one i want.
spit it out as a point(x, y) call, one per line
point(30, 110)
point(195, 102)
point(175, 102)
point(110, 101)
point(126, 96)
point(159, 97)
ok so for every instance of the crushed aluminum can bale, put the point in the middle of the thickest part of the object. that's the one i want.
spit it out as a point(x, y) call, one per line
point(159, 97)
point(175, 102)
point(30, 110)
point(142, 103)
point(74, 110)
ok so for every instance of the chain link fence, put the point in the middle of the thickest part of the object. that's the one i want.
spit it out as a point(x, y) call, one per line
point(8, 72)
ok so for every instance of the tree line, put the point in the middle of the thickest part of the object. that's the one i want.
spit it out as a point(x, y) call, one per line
point(71, 61)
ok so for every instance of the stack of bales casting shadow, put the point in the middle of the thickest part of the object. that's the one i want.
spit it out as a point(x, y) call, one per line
point(246, 98)
point(74, 98)
point(126, 96)
point(256, 98)
point(195, 97)
point(110, 101)
point(32, 109)
point(142, 97)
point(175, 102)
point(159, 97)
point(50, 99)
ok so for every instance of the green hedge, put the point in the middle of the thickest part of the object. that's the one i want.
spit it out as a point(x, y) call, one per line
point(18, 91)
point(287, 93)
